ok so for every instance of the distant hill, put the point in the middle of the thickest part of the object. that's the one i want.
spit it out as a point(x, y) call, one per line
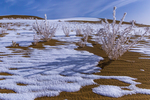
point(84, 21)
point(109, 20)
point(137, 24)
point(20, 16)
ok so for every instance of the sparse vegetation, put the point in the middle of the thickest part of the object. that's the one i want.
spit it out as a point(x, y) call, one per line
point(59, 67)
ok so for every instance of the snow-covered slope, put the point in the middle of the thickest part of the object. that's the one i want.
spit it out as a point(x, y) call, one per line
point(53, 69)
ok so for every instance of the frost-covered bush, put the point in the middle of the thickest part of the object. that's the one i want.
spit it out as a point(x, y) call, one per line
point(2, 31)
point(4, 28)
point(14, 44)
point(66, 30)
point(115, 42)
point(86, 34)
point(78, 30)
point(44, 31)
point(88, 30)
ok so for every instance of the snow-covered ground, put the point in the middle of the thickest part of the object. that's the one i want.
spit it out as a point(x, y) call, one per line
point(53, 69)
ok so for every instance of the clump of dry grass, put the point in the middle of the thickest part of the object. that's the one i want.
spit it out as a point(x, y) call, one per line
point(14, 44)
point(116, 42)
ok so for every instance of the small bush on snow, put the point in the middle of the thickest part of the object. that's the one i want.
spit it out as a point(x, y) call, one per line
point(78, 30)
point(44, 30)
point(4, 28)
point(87, 32)
point(14, 44)
point(66, 30)
point(116, 42)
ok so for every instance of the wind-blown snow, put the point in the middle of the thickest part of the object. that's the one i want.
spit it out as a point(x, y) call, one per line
point(116, 91)
point(54, 69)
point(111, 91)
point(81, 19)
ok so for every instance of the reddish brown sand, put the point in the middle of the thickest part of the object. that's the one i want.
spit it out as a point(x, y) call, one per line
point(3, 34)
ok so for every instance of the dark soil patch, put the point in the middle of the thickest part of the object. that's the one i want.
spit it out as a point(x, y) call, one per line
point(6, 91)
point(21, 84)
point(6, 74)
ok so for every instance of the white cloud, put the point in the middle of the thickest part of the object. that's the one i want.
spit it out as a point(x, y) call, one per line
point(78, 8)
point(94, 6)
point(44, 9)
point(46, 6)
point(125, 2)
point(118, 3)
point(74, 8)
point(30, 2)
point(34, 7)
point(10, 1)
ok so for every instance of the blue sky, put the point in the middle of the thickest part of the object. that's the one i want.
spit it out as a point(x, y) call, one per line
point(138, 10)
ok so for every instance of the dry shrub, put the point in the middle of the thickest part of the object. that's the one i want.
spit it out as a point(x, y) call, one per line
point(87, 32)
point(78, 30)
point(14, 44)
point(116, 42)
point(66, 30)
point(44, 31)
